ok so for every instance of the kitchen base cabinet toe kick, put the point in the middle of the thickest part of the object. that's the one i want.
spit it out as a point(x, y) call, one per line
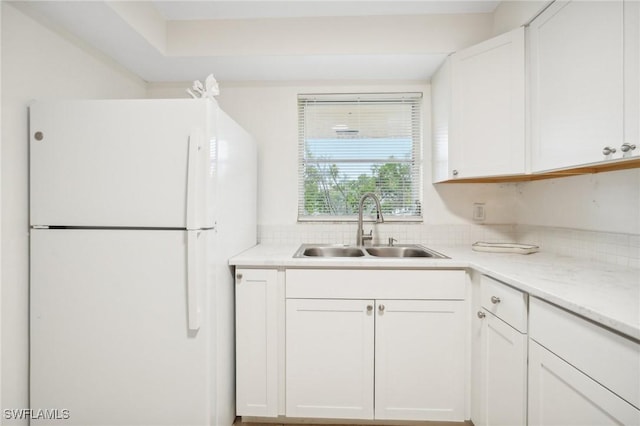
point(356, 352)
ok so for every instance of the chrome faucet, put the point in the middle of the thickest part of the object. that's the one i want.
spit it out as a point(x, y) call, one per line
point(361, 237)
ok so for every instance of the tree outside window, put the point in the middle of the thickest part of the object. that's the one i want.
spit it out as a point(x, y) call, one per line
point(353, 144)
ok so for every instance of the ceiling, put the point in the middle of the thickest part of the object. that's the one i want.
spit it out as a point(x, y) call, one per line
point(148, 37)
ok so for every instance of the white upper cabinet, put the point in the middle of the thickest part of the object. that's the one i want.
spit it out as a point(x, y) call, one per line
point(440, 120)
point(577, 84)
point(632, 77)
point(478, 110)
point(487, 134)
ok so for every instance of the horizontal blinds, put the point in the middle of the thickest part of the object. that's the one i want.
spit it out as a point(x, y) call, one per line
point(352, 144)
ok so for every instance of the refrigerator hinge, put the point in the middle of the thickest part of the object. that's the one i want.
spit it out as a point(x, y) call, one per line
point(39, 227)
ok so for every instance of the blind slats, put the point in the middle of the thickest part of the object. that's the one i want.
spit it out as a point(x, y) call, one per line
point(350, 144)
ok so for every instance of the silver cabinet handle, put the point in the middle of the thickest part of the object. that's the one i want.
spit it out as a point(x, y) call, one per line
point(608, 150)
point(238, 276)
point(495, 300)
point(481, 314)
point(455, 172)
point(626, 147)
point(369, 308)
point(381, 308)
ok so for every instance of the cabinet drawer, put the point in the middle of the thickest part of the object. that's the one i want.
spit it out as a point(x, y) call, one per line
point(375, 284)
point(507, 303)
point(607, 357)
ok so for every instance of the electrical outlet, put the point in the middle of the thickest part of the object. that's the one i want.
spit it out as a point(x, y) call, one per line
point(478, 212)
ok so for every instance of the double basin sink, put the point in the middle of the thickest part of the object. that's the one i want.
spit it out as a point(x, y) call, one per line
point(397, 251)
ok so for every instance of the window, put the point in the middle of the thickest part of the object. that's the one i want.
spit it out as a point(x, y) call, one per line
point(350, 144)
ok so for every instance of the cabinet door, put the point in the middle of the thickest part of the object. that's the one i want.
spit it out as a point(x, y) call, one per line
point(504, 373)
point(632, 77)
point(440, 118)
point(420, 353)
point(577, 83)
point(256, 342)
point(330, 358)
point(561, 395)
point(487, 130)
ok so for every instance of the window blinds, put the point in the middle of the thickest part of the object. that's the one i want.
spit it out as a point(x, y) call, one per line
point(350, 144)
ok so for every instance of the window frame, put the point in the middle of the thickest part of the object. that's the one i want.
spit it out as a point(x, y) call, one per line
point(417, 159)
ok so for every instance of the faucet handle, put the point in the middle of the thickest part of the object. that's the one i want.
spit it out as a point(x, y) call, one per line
point(391, 241)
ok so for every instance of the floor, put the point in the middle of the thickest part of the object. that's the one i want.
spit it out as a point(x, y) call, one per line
point(311, 422)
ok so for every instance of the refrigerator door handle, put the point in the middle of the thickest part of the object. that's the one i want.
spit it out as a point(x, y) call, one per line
point(193, 302)
point(193, 184)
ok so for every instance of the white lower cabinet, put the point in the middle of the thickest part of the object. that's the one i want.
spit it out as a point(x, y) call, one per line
point(561, 395)
point(580, 373)
point(504, 374)
point(341, 344)
point(503, 355)
point(417, 359)
point(330, 350)
point(375, 358)
point(256, 342)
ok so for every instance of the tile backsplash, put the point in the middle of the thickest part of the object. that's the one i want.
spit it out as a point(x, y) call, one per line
point(404, 233)
point(613, 248)
point(607, 247)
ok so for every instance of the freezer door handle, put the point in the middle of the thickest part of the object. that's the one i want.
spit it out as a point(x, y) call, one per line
point(193, 302)
point(193, 184)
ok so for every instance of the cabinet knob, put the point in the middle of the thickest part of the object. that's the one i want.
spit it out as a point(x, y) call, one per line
point(381, 308)
point(626, 147)
point(607, 150)
point(455, 172)
point(238, 276)
point(495, 300)
point(481, 314)
point(369, 308)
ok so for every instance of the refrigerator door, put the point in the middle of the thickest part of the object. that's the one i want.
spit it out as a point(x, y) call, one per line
point(110, 327)
point(123, 163)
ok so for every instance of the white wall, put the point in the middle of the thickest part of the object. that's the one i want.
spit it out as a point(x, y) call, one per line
point(269, 112)
point(36, 63)
point(608, 202)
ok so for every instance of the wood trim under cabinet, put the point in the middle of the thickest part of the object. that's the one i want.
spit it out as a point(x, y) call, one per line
point(583, 170)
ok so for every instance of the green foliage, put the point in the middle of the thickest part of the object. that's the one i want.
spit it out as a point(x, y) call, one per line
point(327, 192)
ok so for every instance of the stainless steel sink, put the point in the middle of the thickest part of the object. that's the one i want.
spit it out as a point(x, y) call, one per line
point(321, 251)
point(399, 251)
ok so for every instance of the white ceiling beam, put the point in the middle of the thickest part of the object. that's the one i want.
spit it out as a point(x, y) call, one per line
point(370, 35)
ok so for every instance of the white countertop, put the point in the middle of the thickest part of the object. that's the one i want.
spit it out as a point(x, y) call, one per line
point(605, 293)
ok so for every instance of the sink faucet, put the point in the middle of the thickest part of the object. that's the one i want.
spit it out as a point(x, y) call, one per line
point(361, 237)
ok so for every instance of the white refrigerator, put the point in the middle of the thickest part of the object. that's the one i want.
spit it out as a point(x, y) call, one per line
point(135, 208)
